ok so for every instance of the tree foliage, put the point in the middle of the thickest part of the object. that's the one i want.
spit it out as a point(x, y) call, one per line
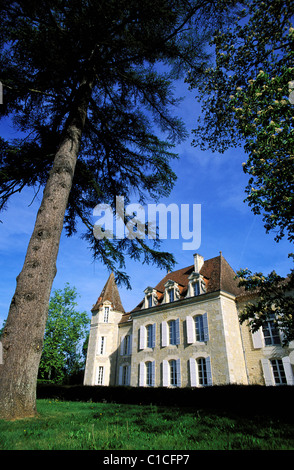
point(246, 101)
point(66, 330)
point(133, 52)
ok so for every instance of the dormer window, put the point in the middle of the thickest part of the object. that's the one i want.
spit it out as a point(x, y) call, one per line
point(150, 297)
point(171, 292)
point(196, 288)
point(196, 285)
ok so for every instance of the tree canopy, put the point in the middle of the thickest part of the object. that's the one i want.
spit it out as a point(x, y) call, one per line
point(66, 329)
point(246, 97)
point(133, 51)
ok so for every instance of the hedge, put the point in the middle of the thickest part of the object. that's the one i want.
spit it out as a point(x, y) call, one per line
point(240, 399)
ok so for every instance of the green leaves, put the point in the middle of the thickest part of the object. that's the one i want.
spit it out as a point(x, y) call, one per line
point(246, 102)
point(65, 330)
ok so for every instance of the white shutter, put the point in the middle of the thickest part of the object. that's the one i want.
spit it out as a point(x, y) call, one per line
point(267, 372)
point(257, 338)
point(288, 370)
point(190, 328)
point(165, 370)
point(193, 373)
point(164, 334)
point(208, 371)
point(205, 327)
point(141, 374)
point(142, 337)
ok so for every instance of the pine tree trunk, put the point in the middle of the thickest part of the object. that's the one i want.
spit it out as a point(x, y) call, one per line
point(23, 335)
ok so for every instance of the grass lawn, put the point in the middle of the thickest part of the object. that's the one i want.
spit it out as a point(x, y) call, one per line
point(64, 425)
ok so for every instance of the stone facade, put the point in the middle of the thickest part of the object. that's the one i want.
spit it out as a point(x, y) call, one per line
point(184, 333)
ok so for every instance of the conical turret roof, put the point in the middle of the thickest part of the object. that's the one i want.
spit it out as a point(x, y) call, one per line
point(110, 292)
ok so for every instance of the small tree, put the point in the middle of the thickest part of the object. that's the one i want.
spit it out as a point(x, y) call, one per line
point(66, 329)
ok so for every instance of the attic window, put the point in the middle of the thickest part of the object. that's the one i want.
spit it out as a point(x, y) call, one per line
point(196, 288)
point(106, 314)
point(171, 294)
point(171, 291)
point(150, 297)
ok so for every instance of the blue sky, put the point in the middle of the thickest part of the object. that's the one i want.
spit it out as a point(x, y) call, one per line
point(216, 181)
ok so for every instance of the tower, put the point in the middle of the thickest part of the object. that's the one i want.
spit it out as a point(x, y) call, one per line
point(103, 339)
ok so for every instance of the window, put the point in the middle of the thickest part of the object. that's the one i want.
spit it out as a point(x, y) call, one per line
point(171, 373)
point(126, 345)
point(202, 371)
point(170, 332)
point(101, 345)
point(147, 336)
point(150, 329)
point(100, 373)
point(271, 333)
point(125, 375)
point(106, 314)
point(199, 328)
point(147, 374)
point(149, 300)
point(171, 295)
point(196, 288)
point(278, 371)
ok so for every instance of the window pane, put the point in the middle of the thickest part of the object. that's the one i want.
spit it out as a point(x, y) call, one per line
point(171, 295)
point(172, 332)
point(196, 288)
point(202, 373)
point(173, 372)
point(278, 371)
point(199, 328)
point(271, 333)
point(149, 373)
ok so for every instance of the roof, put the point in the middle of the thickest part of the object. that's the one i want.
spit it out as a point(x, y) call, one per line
point(217, 275)
point(110, 292)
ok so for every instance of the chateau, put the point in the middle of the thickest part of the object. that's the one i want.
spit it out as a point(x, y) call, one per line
point(184, 333)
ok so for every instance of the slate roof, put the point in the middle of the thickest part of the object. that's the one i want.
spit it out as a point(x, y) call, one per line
point(110, 292)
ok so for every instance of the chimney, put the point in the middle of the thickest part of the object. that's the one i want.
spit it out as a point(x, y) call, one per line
point(198, 262)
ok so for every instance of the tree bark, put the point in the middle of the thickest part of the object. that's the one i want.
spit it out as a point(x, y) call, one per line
point(23, 334)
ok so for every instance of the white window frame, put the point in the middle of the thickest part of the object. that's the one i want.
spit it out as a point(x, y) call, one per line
point(167, 372)
point(101, 345)
point(100, 375)
point(191, 328)
point(268, 372)
point(143, 371)
point(106, 314)
point(194, 371)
